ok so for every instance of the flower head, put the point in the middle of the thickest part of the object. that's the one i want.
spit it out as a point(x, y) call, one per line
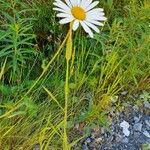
point(81, 12)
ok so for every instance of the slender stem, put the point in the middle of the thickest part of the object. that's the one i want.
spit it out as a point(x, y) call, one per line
point(68, 57)
point(66, 106)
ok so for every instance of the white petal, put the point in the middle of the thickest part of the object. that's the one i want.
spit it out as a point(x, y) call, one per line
point(95, 16)
point(94, 13)
point(62, 5)
point(85, 3)
point(96, 10)
point(87, 29)
point(74, 2)
point(92, 5)
point(63, 15)
point(68, 3)
point(79, 2)
point(95, 22)
point(75, 24)
point(92, 26)
point(61, 10)
point(65, 20)
point(101, 18)
point(61, 2)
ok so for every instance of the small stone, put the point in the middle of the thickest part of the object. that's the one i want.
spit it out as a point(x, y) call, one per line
point(137, 119)
point(84, 147)
point(147, 104)
point(135, 108)
point(93, 135)
point(117, 138)
point(77, 126)
point(125, 125)
point(137, 127)
point(96, 128)
point(125, 140)
point(107, 134)
point(124, 93)
point(147, 134)
point(102, 130)
point(88, 140)
point(147, 122)
point(111, 138)
point(98, 140)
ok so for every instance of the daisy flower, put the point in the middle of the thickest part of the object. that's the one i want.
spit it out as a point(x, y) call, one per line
point(80, 12)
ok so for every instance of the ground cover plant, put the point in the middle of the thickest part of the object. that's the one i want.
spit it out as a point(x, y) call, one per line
point(33, 73)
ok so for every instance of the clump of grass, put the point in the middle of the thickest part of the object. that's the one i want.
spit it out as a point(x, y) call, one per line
point(17, 40)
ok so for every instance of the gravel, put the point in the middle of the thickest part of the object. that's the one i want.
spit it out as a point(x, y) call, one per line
point(138, 127)
point(130, 130)
point(118, 140)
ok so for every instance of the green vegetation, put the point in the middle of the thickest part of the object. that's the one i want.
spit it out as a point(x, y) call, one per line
point(33, 72)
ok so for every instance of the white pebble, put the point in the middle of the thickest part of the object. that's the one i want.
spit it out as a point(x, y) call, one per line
point(125, 125)
point(147, 134)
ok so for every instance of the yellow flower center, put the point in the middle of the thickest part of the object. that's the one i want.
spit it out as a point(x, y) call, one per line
point(78, 12)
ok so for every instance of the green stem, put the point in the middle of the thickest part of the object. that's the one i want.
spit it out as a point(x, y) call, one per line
point(66, 106)
point(68, 57)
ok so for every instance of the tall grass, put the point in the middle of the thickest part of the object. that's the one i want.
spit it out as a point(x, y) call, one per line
point(17, 39)
point(32, 71)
